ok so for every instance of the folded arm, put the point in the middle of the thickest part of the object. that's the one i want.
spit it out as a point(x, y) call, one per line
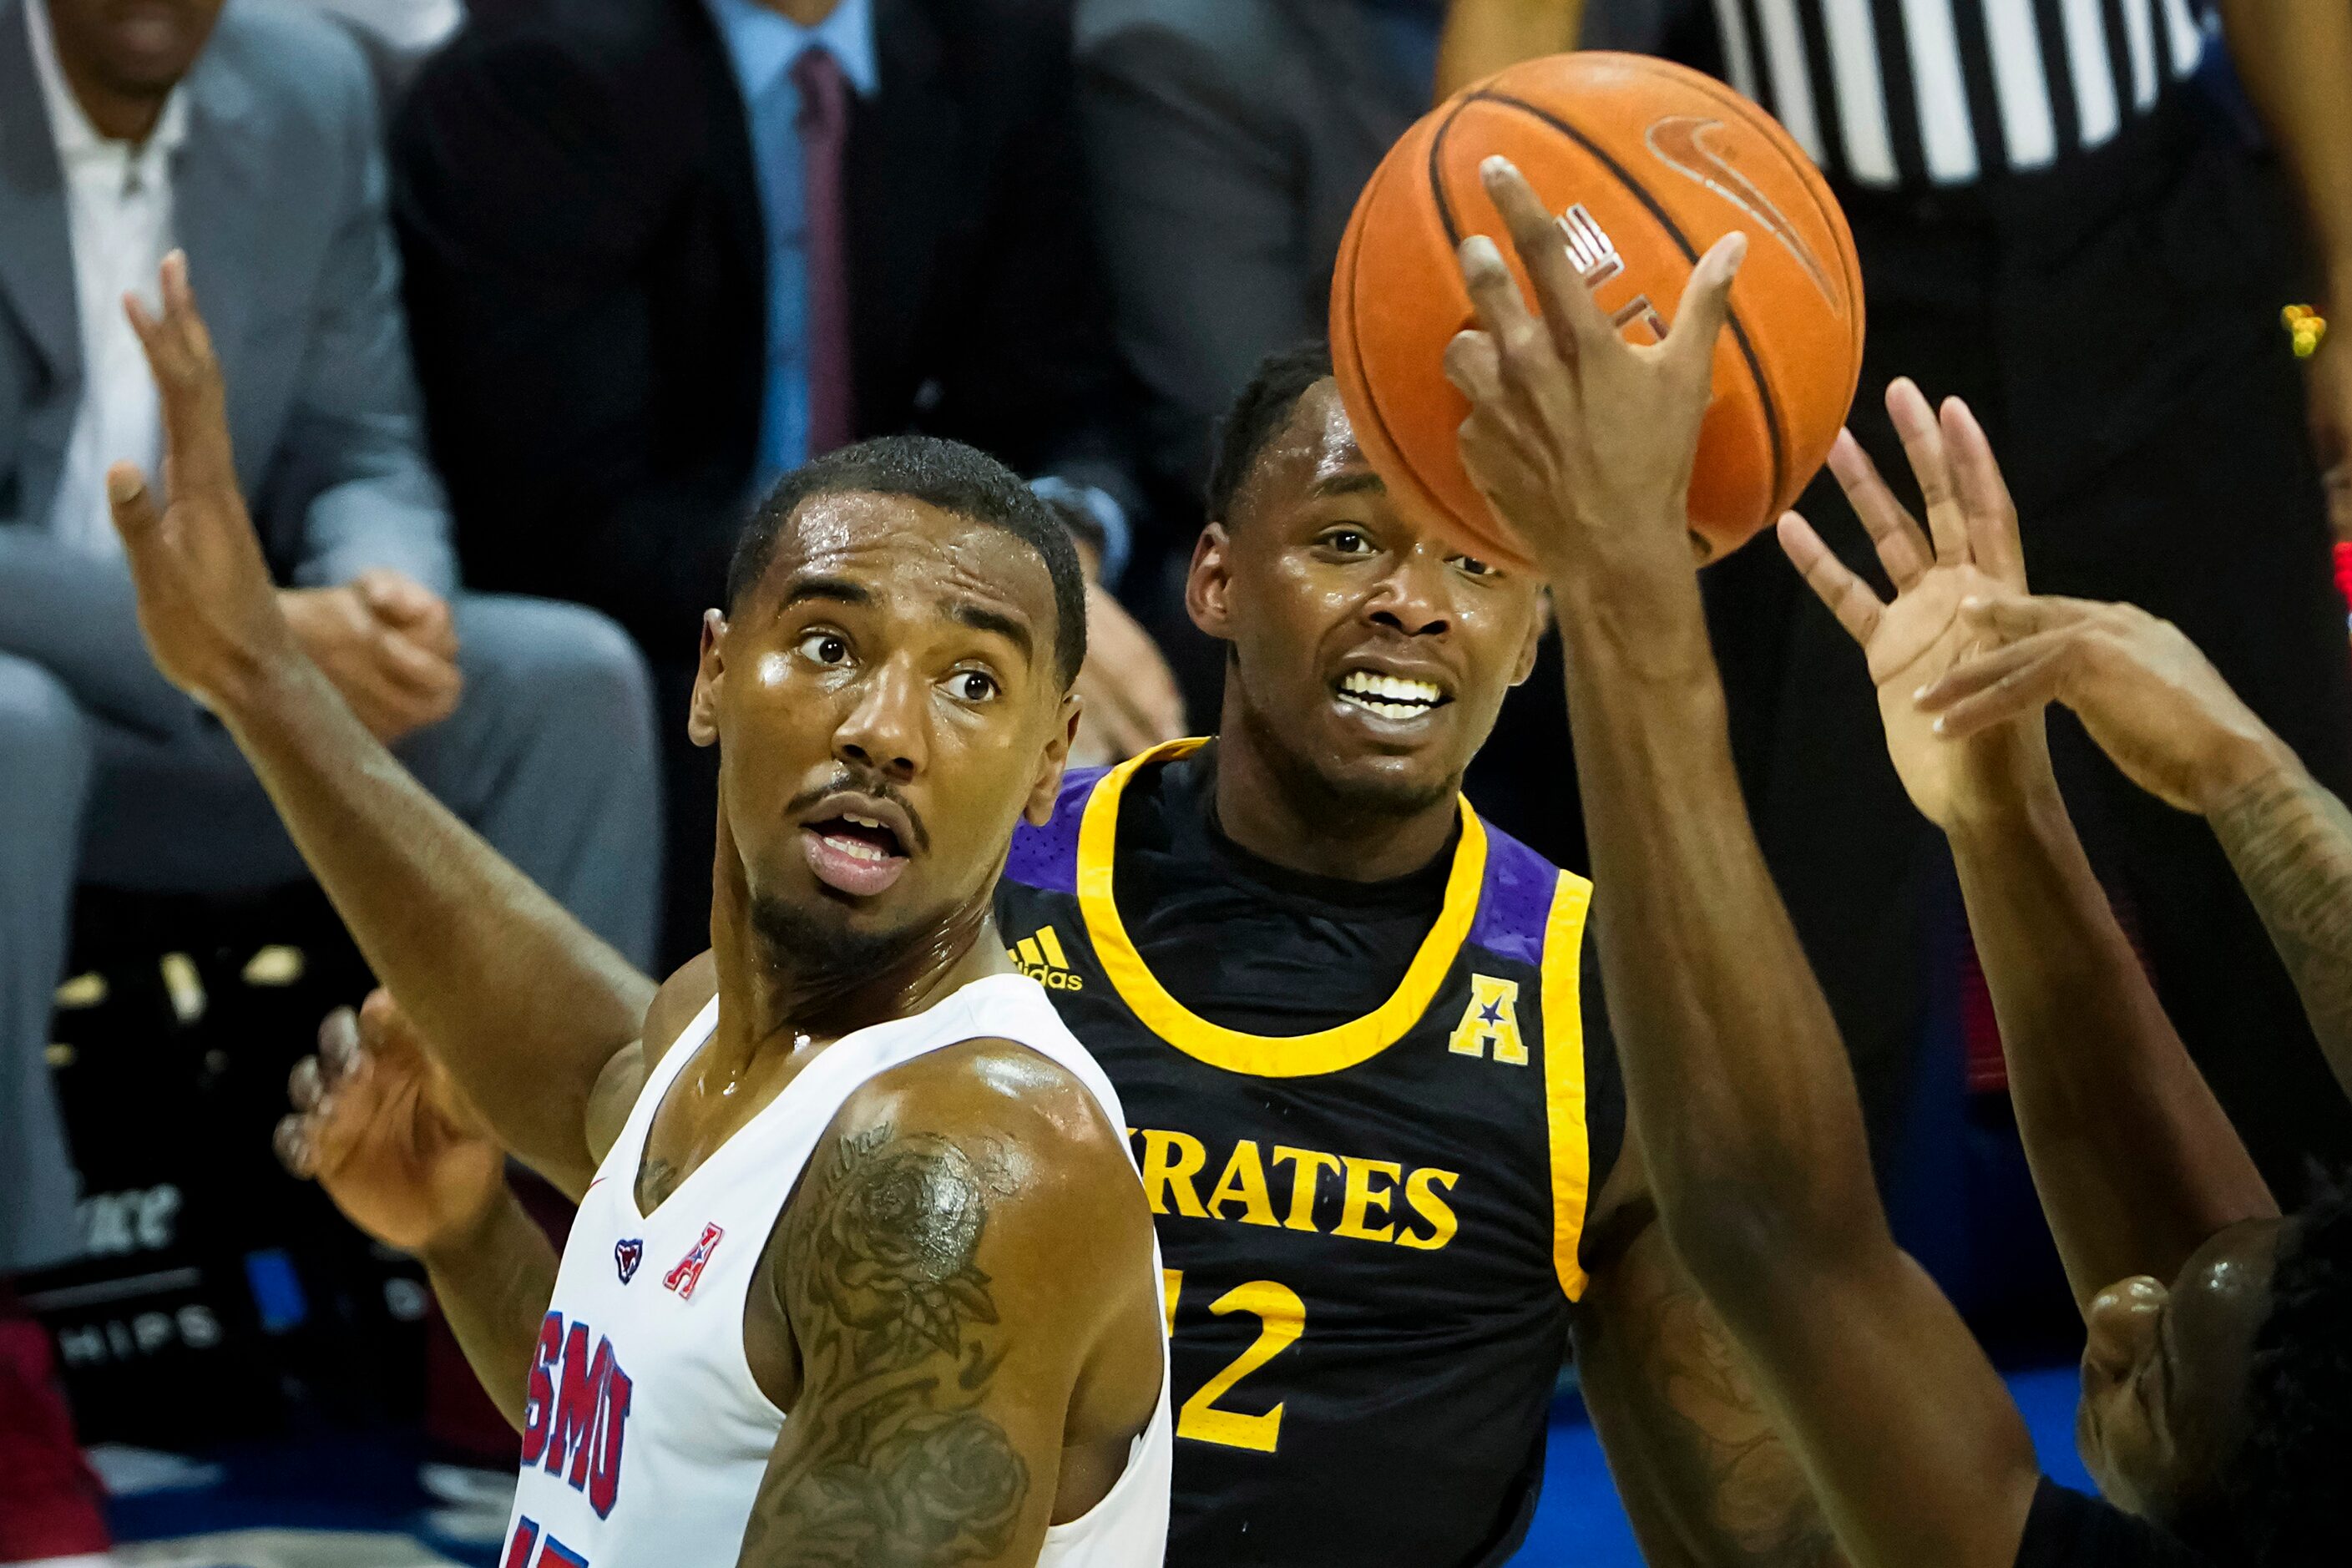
point(1736, 1078)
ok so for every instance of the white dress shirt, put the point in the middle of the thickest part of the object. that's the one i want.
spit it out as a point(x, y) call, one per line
point(119, 213)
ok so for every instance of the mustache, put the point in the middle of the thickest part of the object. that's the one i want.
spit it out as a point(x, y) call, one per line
point(849, 782)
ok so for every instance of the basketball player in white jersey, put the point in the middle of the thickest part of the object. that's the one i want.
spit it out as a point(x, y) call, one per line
point(862, 1271)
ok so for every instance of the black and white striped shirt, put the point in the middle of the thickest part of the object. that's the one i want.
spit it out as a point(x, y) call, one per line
point(1907, 93)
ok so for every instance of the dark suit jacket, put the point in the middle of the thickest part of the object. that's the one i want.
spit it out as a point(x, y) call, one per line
point(574, 187)
point(1227, 141)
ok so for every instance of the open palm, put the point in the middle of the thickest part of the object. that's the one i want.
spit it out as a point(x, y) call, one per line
point(1968, 551)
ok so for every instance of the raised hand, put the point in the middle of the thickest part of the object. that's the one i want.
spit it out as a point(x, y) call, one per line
point(207, 603)
point(2149, 698)
point(1969, 549)
point(1581, 441)
point(379, 1125)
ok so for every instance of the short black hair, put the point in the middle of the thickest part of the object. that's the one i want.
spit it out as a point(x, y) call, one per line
point(947, 475)
point(2284, 1499)
point(1258, 413)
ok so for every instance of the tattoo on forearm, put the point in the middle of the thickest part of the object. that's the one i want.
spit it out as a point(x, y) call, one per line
point(2290, 842)
point(1727, 1476)
point(902, 1469)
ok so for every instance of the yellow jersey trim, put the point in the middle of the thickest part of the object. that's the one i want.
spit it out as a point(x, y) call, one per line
point(1263, 1056)
point(1563, 1054)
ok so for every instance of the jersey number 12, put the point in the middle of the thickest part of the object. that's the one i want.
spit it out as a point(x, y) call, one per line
point(1282, 1318)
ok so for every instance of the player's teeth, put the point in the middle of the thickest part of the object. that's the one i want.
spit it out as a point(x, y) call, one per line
point(1390, 689)
point(859, 821)
point(856, 848)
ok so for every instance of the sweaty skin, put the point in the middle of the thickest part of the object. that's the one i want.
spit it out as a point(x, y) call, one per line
point(1318, 575)
point(2141, 1176)
point(1735, 1076)
point(895, 666)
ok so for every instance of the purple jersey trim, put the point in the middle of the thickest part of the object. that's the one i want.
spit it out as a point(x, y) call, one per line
point(1515, 904)
point(1047, 859)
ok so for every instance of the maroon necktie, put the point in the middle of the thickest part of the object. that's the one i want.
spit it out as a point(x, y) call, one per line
point(824, 126)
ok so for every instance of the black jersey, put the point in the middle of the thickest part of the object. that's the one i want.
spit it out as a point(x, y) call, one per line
point(1368, 1132)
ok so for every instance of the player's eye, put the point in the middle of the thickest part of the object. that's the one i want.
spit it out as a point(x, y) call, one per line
point(830, 649)
point(974, 685)
point(1474, 567)
point(1347, 541)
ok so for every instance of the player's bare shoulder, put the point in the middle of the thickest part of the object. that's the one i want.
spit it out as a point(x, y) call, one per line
point(1005, 1142)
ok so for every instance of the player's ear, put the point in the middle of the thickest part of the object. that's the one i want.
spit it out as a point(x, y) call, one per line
point(1206, 585)
point(1540, 623)
point(1039, 809)
point(702, 713)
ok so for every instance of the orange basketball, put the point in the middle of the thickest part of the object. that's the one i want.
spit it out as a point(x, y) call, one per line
point(1648, 164)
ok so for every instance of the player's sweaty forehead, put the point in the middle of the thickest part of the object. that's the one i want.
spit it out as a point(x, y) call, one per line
point(1314, 455)
point(914, 560)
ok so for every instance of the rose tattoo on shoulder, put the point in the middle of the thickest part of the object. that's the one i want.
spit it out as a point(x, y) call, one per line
point(893, 1243)
point(896, 1462)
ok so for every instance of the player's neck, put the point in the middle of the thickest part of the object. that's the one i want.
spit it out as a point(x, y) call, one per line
point(779, 988)
point(1282, 814)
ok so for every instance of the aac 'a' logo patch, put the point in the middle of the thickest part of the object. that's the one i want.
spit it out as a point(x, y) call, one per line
point(1491, 1019)
point(626, 1255)
point(689, 1272)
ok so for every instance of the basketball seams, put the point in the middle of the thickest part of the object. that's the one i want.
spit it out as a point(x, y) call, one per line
point(1352, 371)
point(1437, 191)
point(1776, 439)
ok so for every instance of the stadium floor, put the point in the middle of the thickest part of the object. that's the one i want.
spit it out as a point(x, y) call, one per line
point(338, 1500)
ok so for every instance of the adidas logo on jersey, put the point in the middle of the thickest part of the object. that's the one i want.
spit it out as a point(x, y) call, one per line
point(1040, 957)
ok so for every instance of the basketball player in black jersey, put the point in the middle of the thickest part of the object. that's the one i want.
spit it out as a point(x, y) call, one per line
point(1362, 1040)
point(2214, 1409)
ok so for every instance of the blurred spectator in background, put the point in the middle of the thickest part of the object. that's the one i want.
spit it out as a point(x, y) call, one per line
point(1226, 142)
point(2065, 215)
point(397, 35)
point(248, 137)
point(661, 251)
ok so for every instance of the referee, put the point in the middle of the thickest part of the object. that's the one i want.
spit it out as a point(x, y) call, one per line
point(2065, 215)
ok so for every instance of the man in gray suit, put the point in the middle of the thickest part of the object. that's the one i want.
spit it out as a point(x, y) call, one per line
point(247, 137)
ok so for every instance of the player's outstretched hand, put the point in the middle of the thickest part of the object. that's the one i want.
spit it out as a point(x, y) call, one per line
point(1969, 549)
point(1581, 441)
point(379, 1125)
point(207, 603)
point(2147, 696)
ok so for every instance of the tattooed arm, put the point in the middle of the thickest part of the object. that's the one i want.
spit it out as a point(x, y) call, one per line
point(2290, 842)
point(1703, 1473)
point(2171, 723)
point(966, 1276)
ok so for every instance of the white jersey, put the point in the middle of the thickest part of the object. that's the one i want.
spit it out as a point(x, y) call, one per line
point(646, 1435)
